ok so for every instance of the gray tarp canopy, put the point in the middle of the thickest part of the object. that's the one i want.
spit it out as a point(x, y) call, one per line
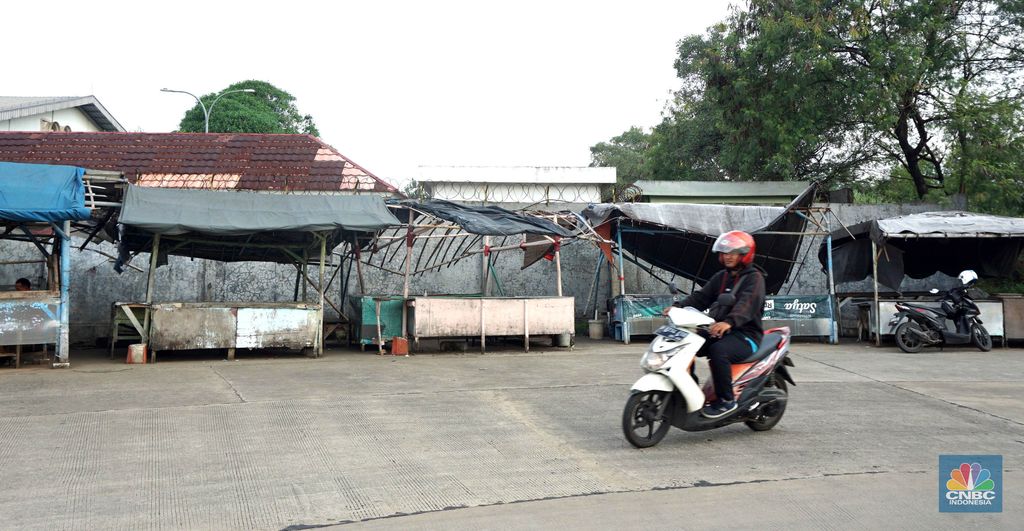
point(677, 237)
point(246, 226)
point(688, 217)
point(920, 245)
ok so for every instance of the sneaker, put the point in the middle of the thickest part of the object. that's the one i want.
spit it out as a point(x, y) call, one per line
point(718, 409)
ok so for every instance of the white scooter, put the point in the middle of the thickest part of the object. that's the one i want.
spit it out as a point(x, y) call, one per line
point(669, 395)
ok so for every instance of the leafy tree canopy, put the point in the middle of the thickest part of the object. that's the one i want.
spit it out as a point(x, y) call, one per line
point(913, 98)
point(268, 110)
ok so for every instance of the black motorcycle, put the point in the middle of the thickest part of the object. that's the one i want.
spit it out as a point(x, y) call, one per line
point(926, 327)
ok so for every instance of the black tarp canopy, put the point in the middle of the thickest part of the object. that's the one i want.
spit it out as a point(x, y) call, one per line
point(233, 226)
point(677, 237)
point(920, 245)
point(487, 220)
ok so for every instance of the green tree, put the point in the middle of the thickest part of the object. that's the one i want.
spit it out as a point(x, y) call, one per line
point(625, 153)
point(875, 91)
point(268, 110)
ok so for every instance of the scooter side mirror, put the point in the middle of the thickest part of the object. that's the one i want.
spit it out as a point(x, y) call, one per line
point(933, 291)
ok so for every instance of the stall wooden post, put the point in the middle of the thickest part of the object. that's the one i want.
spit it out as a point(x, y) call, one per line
point(526, 325)
point(359, 270)
point(486, 261)
point(833, 332)
point(150, 283)
point(409, 238)
point(558, 263)
point(65, 277)
point(320, 289)
point(622, 282)
point(305, 273)
point(874, 282)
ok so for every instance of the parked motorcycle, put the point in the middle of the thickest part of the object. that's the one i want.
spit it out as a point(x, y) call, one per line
point(917, 326)
point(669, 394)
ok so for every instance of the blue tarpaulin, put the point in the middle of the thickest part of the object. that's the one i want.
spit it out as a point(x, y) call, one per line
point(41, 192)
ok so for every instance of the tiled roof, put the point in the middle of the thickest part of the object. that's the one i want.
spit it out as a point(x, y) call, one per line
point(291, 163)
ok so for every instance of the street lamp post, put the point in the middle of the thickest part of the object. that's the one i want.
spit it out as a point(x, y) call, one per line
point(207, 112)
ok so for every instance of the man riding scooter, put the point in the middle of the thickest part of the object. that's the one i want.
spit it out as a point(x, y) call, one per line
point(737, 330)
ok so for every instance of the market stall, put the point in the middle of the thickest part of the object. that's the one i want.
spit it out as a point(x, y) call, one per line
point(436, 234)
point(41, 204)
point(677, 238)
point(920, 245)
point(240, 226)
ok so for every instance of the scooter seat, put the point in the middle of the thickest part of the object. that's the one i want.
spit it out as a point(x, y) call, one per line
point(768, 344)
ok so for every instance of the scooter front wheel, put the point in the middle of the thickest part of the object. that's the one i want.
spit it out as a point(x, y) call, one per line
point(981, 338)
point(641, 423)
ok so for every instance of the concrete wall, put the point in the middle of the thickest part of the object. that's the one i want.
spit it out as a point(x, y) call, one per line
point(95, 285)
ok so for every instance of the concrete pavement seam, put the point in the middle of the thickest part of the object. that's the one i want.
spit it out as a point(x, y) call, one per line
point(231, 385)
point(697, 485)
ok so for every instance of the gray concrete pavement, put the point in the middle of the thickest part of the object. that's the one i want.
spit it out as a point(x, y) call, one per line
point(500, 440)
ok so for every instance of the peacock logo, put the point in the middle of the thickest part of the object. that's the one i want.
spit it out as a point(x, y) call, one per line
point(970, 483)
point(970, 477)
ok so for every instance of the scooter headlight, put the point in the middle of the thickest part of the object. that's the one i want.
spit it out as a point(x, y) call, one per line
point(653, 361)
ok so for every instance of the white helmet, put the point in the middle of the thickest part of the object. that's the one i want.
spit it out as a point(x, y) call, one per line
point(968, 277)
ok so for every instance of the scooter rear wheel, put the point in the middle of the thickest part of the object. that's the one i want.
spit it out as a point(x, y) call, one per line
point(770, 414)
point(641, 424)
point(906, 339)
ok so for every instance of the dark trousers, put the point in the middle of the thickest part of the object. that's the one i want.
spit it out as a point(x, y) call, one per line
point(721, 354)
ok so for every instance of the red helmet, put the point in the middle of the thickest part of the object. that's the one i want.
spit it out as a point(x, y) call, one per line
point(738, 242)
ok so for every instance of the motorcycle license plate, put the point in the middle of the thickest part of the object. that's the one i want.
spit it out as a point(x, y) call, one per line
point(672, 333)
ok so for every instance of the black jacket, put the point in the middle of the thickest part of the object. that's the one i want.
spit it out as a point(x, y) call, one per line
point(747, 285)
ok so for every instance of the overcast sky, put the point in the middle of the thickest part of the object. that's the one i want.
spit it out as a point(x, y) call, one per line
point(391, 85)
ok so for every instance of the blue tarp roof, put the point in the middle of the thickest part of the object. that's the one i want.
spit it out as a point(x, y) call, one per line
point(41, 192)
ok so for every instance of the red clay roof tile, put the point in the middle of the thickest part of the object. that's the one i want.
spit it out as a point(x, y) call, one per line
point(254, 161)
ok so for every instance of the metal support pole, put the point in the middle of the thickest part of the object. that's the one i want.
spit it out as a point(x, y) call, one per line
point(63, 356)
point(320, 289)
point(833, 332)
point(874, 281)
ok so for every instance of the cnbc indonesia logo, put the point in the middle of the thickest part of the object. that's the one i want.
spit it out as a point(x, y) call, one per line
point(971, 486)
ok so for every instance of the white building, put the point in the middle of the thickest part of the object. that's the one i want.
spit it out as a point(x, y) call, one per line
point(79, 114)
point(515, 184)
